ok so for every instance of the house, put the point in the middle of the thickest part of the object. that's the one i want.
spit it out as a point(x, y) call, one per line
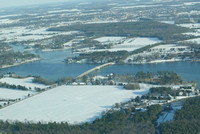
point(81, 83)
point(74, 84)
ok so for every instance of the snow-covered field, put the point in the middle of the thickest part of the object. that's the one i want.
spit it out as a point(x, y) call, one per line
point(109, 39)
point(122, 43)
point(137, 6)
point(191, 3)
point(7, 21)
point(134, 43)
point(190, 25)
point(196, 40)
point(11, 15)
point(6, 93)
point(168, 22)
point(60, 11)
point(26, 34)
point(74, 104)
point(27, 82)
point(193, 33)
point(168, 116)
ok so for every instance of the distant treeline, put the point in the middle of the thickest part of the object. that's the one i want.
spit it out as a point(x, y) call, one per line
point(165, 32)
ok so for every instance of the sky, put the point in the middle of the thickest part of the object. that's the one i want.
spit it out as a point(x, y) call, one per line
point(12, 3)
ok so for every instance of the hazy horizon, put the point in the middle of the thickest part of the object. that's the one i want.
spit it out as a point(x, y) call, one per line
point(6, 3)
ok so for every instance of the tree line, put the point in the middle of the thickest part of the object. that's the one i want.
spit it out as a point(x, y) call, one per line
point(5, 85)
point(147, 28)
point(112, 122)
point(186, 120)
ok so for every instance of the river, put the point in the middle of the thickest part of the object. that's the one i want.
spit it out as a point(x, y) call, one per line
point(52, 67)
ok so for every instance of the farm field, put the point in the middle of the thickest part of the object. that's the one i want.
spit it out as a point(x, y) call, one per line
point(72, 104)
point(27, 82)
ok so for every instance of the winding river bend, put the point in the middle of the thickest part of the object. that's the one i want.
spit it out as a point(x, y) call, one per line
point(52, 67)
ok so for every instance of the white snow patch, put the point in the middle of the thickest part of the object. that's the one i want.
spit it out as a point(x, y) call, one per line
point(74, 104)
point(7, 16)
point(109, 39)
point(193, 33)
point(196, 40)
point(122, 43)
point(8, 21)
point(26, 34)
point(191, 3)
point(27, 82)
point(6, 93)
point(190, 25)
point(60, 11)
point(137, 6)
point(135, 43)
point(168, 115)
point(168, 22)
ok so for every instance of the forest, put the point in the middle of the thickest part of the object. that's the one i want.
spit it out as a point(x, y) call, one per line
point(160, 78)
point(112, 122)
point(148, 28)
point(186, 120)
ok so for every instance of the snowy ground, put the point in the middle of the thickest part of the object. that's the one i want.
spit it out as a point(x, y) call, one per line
point(193, 33)
point(196, 40)
point(162, 50)
point(13, 94)
point(137, 6)
point(135, 43)
point(169, 115)
point(168, 22)
point(6, 93)
point(60, 11)
point(74, 104)
point(191, 3)
point(7, 21)
point(168, 47)
point(190, 25)
point(27, 34)
point(121, 43)
point(27, 82)
point(109, 39)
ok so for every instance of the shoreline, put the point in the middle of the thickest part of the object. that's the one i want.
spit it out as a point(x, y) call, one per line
point(50, 50)
point(142, 63)
point(156, 61)
point(16, 64)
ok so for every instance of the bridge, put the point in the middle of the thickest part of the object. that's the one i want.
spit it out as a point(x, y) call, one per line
point(94, 69)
